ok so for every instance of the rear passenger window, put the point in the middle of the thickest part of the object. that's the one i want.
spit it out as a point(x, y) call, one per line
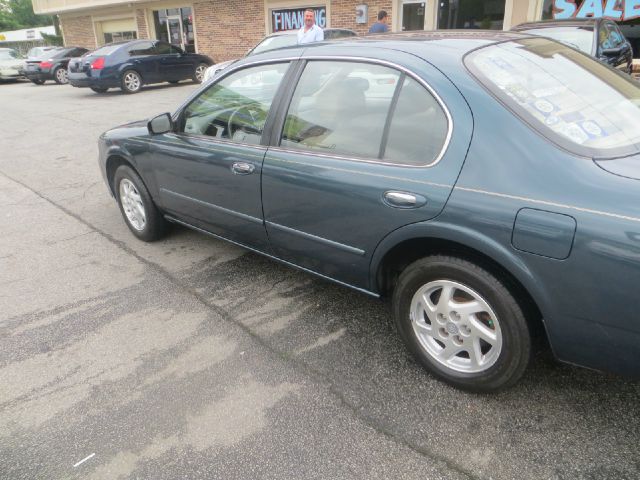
point(418, 127)
point(144, 48)
point(340, 108)
point(347, 108)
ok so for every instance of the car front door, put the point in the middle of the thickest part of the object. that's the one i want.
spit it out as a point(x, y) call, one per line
point(208, 171)
point(365, 149)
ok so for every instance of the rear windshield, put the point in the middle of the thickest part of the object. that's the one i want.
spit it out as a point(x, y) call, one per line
point(107, 49)
point(276, 41)
point(577, 102)
point(576, 37)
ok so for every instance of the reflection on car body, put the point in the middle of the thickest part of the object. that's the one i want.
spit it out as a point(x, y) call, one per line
point(467, 176)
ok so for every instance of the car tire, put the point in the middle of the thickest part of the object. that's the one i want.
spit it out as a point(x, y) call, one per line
point(131, 81)
point(138, 210)
point(99, 89)
point(37, 82)
point(60, 76)
point(174, 81)
point(198, 72)
point(476, 338)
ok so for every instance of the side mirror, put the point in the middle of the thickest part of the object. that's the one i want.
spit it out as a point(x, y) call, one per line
point(160, 124)
point(611, 52)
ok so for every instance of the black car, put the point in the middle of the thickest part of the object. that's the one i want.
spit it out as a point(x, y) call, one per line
point(130, 65)
point(52, 65)
point(599, 37)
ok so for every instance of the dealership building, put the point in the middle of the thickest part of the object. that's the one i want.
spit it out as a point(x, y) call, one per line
point(226, 29)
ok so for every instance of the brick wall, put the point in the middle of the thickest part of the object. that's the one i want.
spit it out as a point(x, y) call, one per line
point(78, 31)
point(227, 29)
point(141, 21)
point(343, 14)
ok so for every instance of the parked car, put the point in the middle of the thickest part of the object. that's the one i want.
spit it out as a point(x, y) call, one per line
point(11, 64)
point(132, 64)
point(599, 37)
point(53, 66)
point(278, 40)
point(489, 187)
point(38, 52)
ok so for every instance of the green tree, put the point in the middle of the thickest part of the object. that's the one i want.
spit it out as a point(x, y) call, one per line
point(17, 14)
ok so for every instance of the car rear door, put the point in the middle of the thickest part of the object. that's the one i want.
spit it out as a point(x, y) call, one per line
point(173, 63)
point(143, 58)
point(362, 150)
point(208, 171)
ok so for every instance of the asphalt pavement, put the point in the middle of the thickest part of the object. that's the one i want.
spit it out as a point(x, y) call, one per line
point(192, 358)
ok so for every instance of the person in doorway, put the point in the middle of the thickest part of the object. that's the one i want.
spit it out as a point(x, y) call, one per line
point(381, 25)
point(310, 32)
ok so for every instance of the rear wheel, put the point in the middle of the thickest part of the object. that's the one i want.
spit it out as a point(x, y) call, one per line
point(138, 210)
point(99, 89)
point(37, 81)
point(131, 82)
point(60, 76)
point(198, 73)
point(462, 324)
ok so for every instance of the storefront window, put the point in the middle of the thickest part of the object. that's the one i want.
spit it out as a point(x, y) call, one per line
point(175, 26)
point(486, 14)
point(412, 15)
point(119, 36)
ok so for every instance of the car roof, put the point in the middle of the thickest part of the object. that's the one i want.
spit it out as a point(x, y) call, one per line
point(567, 22)
point(295, 32)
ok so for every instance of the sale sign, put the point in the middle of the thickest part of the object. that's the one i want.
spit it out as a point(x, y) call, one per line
point(614, 9)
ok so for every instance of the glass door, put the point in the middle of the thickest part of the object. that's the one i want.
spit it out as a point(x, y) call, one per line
point(412, 15)
point(174, 29)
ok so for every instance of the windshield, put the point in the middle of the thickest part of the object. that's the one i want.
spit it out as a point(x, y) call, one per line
point(276, 41)
point(574, 100)
point(107, 49)
point(576, 37)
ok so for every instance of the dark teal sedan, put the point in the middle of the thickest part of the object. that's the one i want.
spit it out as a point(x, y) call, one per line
point(486, 182)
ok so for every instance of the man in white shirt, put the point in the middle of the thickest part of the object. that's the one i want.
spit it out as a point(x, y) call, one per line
point(310, 32)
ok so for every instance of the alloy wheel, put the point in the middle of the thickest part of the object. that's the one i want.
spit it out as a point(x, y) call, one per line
point(132, 204)
point(132, 81)
point(61, 75)
point(456, 326)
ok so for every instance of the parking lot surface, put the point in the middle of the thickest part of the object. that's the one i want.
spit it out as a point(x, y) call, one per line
point(192, 358)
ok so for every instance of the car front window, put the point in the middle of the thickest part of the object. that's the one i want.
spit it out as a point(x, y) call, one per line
point(236, 107)
point(574, 100)
point(576, 37)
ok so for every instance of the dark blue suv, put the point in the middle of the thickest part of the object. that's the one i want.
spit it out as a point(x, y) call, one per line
point(130, 65)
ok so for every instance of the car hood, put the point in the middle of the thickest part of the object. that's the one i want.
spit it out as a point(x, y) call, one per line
point(128, 130)
point(628, 167)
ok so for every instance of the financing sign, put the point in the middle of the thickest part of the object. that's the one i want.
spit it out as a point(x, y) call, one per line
point(293, 18)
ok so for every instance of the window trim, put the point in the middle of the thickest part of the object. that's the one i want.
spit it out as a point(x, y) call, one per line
point(403, 73)
point(283, 98)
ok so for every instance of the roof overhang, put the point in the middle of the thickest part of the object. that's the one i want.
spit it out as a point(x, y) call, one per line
point(49, 7)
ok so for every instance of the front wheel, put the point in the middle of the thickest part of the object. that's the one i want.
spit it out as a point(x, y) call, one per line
point(462, 324)
point(131, 82)
point(60, 76)
point(138, 210)
point(198, 73)
point(37, 81)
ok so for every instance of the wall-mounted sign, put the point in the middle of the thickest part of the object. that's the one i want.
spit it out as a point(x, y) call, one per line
point(293, 18)
point(362, 12)
point(614, 9)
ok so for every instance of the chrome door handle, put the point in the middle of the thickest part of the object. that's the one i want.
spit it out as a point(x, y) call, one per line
point(403, 199)
point(242, 168)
